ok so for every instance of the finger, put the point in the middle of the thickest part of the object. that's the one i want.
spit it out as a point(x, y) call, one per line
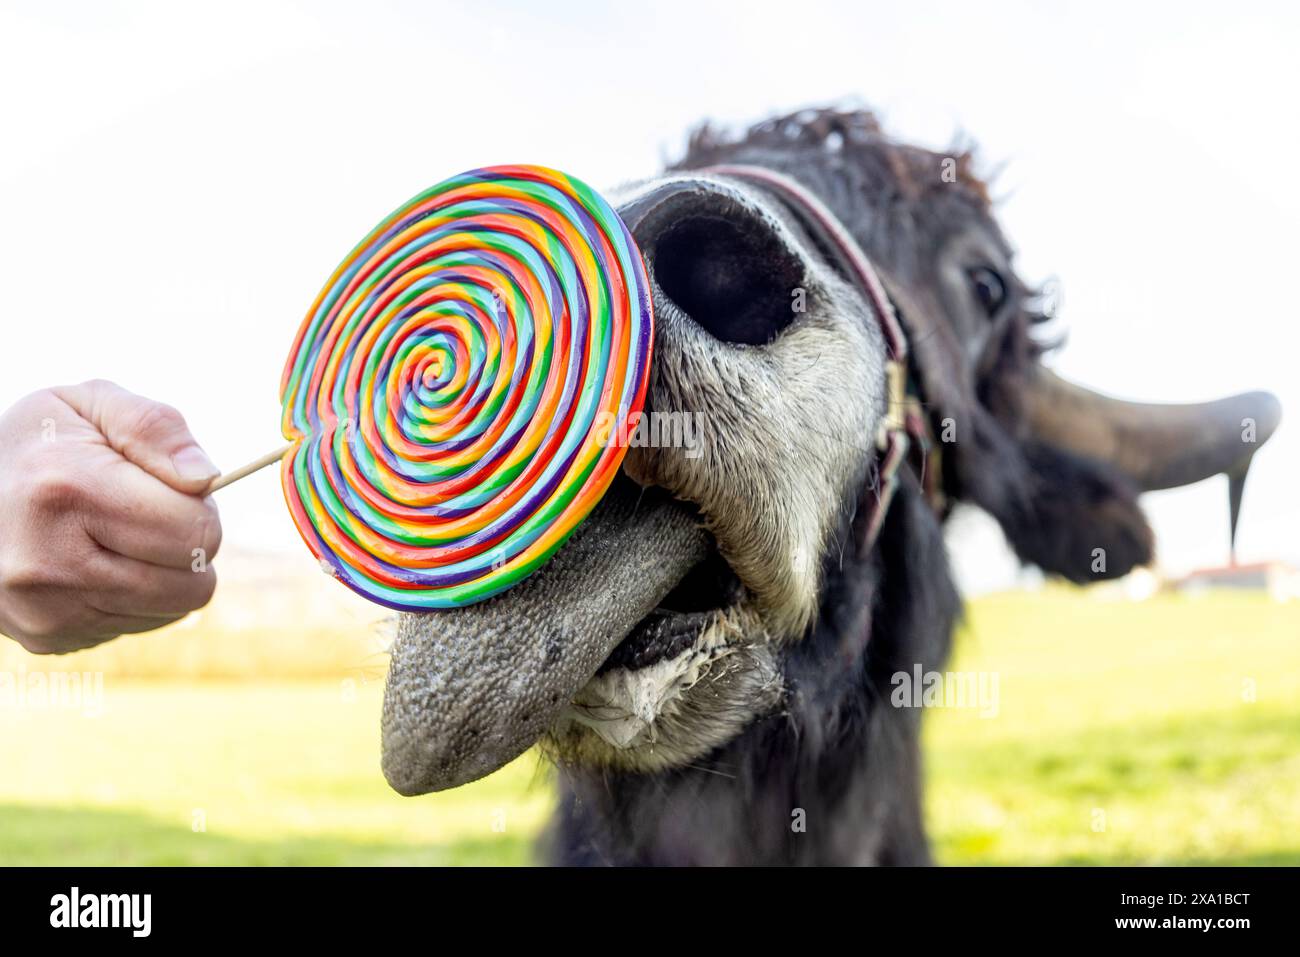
point(79, 622)
point(110, 626)
point(125, 586)
point(152, 435)
point(139, 517)
point(104, 627)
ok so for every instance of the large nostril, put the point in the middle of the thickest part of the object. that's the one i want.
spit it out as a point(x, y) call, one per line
point(735, 279)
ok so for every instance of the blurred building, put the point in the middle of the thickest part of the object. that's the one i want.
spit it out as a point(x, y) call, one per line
point(1280, 580)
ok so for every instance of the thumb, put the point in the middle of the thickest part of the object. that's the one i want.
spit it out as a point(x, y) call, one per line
point(149, 434)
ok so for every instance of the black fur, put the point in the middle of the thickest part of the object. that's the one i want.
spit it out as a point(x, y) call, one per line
point(840, 758)
point(1054, 507)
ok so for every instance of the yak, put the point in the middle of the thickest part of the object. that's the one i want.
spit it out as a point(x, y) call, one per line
point(708, 660)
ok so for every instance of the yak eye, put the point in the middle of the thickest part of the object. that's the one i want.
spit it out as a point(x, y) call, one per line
point(989, 288)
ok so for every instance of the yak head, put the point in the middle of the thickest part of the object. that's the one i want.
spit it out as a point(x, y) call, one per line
point(663, 627)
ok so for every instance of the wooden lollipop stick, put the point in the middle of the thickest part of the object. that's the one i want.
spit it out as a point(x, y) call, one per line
point(249, 469)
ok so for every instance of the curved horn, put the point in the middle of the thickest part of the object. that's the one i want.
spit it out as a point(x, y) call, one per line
point(1156, 445)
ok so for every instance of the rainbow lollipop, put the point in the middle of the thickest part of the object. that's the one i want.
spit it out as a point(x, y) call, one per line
point(461, 393)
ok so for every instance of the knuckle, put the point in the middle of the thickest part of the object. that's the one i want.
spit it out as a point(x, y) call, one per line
point(25, 575)
point(153, 419)
point(35, 645)
point(194, 595)
point(90, 394)
point(39, 635)
point(208, 537)
point(54, 489)
point(98, 386)
point(207, 587)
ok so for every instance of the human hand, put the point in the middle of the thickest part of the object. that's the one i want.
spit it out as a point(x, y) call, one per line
point(104, 529)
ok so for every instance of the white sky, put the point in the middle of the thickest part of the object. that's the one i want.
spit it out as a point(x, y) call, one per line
point(176, 184)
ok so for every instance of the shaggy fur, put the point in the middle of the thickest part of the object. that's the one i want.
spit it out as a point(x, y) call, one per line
point(756, 727)
point(833, 774)
point(909, 216)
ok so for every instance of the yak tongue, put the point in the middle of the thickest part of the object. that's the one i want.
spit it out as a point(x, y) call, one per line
point(471, 689)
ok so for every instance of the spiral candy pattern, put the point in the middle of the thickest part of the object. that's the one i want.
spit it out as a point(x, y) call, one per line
point(461, 392)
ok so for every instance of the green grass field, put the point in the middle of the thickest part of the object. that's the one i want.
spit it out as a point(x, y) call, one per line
point(1161, 732)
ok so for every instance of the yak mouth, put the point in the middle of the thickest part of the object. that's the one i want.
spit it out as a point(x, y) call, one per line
point(643, 704)
point(633, 592)
point(676, 624)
